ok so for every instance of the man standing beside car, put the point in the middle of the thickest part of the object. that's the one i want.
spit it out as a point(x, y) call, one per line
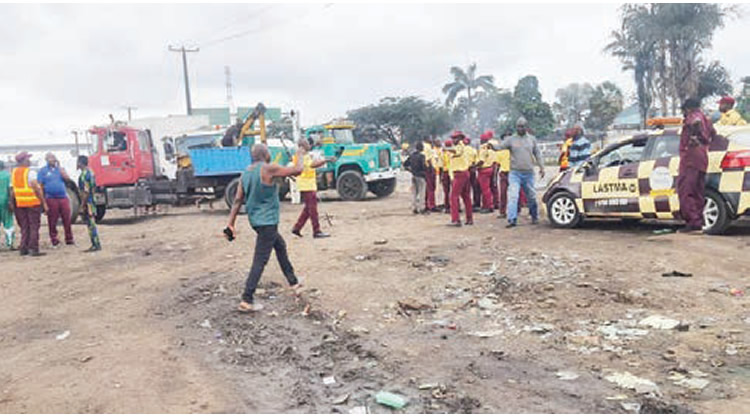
point(697, 133)
point(52, 179)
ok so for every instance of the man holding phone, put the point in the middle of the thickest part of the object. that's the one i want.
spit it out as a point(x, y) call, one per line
point(260, 195)
point(308, 186)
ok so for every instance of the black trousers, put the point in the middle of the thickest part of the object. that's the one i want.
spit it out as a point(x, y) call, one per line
point(268, 239)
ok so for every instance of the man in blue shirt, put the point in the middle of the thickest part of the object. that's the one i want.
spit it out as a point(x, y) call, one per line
point(580, 150)
point(52, 180)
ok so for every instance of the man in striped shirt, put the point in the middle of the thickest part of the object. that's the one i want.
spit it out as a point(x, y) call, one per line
point(580, 150)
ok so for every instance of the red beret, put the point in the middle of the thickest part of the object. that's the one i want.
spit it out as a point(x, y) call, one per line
point(726, 100)
point(457, 134)
point(448, 143)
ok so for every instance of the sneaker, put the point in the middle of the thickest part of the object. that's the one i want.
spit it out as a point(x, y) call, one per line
point(511, 224)
point(435, 210)
point(535, 221)
point(415, 211)
point(296, 233)
point(469, 223)
point(93, 249)
point(70, 243)
point(36, 253)
point(454, 224)
point(485, 211)
point(24, 252)
point(321, 235)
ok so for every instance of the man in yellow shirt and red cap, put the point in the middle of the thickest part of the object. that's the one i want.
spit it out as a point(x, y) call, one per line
point(430, 174)
point(446, 175)
point(485, 171)
point(729, 115)
point(460, 161)
point(307, 184)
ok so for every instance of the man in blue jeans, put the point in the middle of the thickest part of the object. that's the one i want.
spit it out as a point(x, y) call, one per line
point(524, 155)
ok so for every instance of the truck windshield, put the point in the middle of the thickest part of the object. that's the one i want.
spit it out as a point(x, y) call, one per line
point(343, 135)
point(183, 144)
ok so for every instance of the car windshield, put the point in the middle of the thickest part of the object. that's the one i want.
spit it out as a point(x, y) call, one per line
point(343, 135)
point(183, 144)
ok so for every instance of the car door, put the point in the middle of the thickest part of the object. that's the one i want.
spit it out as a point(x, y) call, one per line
point(658, 177)
point(610, 185)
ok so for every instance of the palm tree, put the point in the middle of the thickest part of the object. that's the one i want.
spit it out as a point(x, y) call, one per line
point(468, 82)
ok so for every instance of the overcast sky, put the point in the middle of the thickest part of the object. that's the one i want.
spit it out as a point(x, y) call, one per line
point(66, 67)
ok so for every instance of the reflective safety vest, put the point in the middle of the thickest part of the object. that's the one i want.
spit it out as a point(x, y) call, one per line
point(565, 154)
point(25, 196)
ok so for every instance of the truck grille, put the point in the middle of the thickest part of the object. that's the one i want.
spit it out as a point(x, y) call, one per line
point(384, 158)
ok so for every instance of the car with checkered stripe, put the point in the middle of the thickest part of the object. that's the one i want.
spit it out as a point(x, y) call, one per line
point(636, 179)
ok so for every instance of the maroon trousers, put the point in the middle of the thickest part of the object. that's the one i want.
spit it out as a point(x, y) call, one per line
point(494, 190)
point(28, 219)
point(485, 179)
point(691, 184)
point(445, 178)
point(310, 198)
point(476, 190)
point(429, 198)
point(59, 208)
point(504, 192)
point(461, 188)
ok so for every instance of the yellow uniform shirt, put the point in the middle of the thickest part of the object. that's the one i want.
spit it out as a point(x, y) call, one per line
point(429, 154)
point(731, 117)
point(306, 180)
point(459, 160)
point(471, 156)
point(486, 156)
point(437, 158)
point(447, 161)
point(503, 159)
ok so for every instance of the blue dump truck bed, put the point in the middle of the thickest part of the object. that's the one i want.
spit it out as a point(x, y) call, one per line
point(220, 161)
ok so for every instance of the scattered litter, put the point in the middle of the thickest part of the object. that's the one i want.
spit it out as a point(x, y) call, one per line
point(611, 332)
point(731, 350)
point(341, 400)
point(359, 330)
point(361, 258)
point(629, 381)
point(659, 322)
point(329, 380)
point(205, 324)
point(662, 231)
point(675, 273)
point(412, 304)
point(617, 397)
point(85, 359)
point(695, 384)
point(736, 292)
point(390, 399)
point(381, 242)
point(539, 328)
point(566, 375)
point(631, 407)
point(438, 260)
point(428, 386)
point(486, 303)
point(63, 335)
point(698, 374)
point(358, 410)
point(489, 273)
point(486, 334)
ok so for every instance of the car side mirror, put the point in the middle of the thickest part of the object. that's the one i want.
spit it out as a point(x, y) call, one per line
point(588, 167)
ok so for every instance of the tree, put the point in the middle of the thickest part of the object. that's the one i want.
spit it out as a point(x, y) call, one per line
point(713, 80)
point(466, 81)
point(605, 103)
point(282, 128)
point(494, 110)
point(572, 103)
point(527, 102)
point(743, 102)
point(401, 119)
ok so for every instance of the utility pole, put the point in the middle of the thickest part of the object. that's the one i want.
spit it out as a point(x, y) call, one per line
point(130, 109)
point(230, 100)
point(184, 50)
point(75, 134)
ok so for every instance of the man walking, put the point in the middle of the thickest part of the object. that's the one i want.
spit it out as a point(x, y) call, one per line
point(415, 164)
point(6, 208)
point(52, 180)
point(697, 133)
point(260, 195)
point(729, 115)
point(86, 188)
point(459, 163)
point(307, 184)
point(524, 155)
point(28, 203)
point(580, 148)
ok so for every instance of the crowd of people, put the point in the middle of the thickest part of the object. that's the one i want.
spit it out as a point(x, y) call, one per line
point(27, 193)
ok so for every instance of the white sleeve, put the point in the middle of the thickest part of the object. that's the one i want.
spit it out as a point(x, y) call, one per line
point(32, 176)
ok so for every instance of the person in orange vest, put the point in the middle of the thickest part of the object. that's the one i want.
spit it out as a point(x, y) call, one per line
point(460, 160)
point(564, 158)
point(28, 202)
point(307, 184)
point(446, 175)
point(485, 170)
point(430, 174)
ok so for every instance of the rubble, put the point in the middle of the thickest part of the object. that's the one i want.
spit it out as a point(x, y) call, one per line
point(629, 381)
point(659, 322)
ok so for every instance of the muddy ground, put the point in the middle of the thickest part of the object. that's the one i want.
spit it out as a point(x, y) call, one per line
point(473, 320)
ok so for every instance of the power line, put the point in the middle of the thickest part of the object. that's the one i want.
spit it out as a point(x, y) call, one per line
point(184, 50)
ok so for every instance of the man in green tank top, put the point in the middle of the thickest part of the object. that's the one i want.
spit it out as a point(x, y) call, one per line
point(260, 195)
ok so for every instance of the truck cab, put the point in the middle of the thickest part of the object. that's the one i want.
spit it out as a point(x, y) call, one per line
point(122, 155)
point(360, 167)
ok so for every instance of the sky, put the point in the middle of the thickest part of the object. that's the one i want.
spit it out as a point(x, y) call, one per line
point(67, 67)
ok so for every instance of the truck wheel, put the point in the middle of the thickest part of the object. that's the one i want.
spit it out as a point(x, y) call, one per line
point(715, 214)
point(351, 186)
point(75, 203)
point(231, 191)
point(382, 188)
point(101, 210)
point(562, 211)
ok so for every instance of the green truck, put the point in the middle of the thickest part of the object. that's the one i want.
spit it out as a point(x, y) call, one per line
point(360, 167)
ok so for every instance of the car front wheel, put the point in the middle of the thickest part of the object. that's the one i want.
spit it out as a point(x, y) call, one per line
point(562, 211)
point(715, 214)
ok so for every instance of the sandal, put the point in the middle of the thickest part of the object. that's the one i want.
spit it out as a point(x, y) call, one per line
point(247, 308)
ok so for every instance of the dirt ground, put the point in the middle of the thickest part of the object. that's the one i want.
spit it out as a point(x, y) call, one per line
point(473, 320)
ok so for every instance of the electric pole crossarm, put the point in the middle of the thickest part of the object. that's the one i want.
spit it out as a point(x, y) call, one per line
point(184, 52)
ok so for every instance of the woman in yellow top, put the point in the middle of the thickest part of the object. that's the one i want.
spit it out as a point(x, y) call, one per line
point(308, 187)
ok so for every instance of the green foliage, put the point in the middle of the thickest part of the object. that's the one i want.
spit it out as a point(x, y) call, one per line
point(572, 103)
point(527, 102)
point(605, 103)
point(400, 119)
point(281, 128)
point(713, 80)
